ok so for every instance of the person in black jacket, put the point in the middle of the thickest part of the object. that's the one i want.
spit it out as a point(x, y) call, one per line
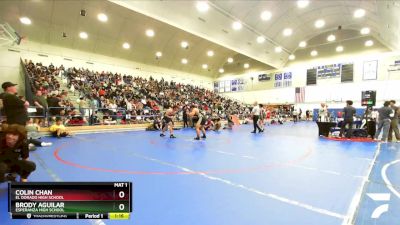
point(14, 153)
point(348, 113)
point(15, 109)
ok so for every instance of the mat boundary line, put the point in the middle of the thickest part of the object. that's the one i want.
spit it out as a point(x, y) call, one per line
point(355, 203)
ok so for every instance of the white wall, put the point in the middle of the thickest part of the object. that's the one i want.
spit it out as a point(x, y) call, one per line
point(9, 64)
point(329, 90)
point(10, 69)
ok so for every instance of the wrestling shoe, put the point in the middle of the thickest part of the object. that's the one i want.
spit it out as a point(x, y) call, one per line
point(172, 136)
point(162, 135)
point(46, 144)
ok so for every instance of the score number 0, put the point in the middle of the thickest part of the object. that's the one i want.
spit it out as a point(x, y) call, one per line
point(121, 195)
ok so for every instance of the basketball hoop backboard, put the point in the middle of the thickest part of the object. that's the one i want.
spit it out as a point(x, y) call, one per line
point(8, 36)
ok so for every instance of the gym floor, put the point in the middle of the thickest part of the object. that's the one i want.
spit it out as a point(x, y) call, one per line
point(286, 175)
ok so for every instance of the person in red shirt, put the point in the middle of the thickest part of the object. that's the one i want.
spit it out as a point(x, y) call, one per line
point(102, 92)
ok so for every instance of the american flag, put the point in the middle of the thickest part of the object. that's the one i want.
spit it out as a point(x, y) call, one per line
point(300, 94)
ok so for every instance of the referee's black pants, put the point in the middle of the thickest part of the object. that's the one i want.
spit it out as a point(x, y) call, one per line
point(255, 123)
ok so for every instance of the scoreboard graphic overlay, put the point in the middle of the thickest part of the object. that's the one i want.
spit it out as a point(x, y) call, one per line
point(70, 200)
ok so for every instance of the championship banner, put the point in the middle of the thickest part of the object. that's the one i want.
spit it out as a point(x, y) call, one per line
point(287, 79)
point(278, 80)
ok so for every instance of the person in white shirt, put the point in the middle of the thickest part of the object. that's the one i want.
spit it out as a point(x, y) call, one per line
point(113, 107)
point(128, 105)
point(256, 116)
point(323, 113)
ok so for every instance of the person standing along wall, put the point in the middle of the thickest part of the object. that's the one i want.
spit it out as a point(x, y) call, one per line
point(384, 121)
point(15, 109)
point(41, 105)
point(394, 122)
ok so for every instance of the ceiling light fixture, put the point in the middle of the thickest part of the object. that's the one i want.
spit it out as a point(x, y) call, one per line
point(158, 54)
point(237, 25)
point(184, 44)
point(369, 43)
point(319, 23)
point(221, 70)
point(359, 13)
point(331, 38)
point(266, 15)
point(278, 49)
point(184, 61)
point(287, 32)
point(126, 45)
point(210, 53)
point(25, 20)
point(292, 57)
point(202, 6)
point(339, 48)
point(230, 60)
point(314, 53)
point(150, 33)
point(204, 66)
point(102, 17)
point(365, 31)
point(260, 39)
point(246, 65)
point(302, 3)
point(83, 35)
point(302, 44)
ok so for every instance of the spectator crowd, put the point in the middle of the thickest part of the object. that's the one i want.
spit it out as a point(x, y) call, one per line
point(122, 98)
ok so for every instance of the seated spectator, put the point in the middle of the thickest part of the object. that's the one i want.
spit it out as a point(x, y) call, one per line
point(108, 120)
point(94, 119)
point(119, 117)
point(34, 136)
point(14, 153)
point(128, 117)
point(230, 122)
point(248, 120)
point(76, 120)
point(157, 123)
point(58, 129)
point(209, 124)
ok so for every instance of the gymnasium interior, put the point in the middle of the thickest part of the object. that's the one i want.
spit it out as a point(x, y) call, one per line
point(214, 112)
